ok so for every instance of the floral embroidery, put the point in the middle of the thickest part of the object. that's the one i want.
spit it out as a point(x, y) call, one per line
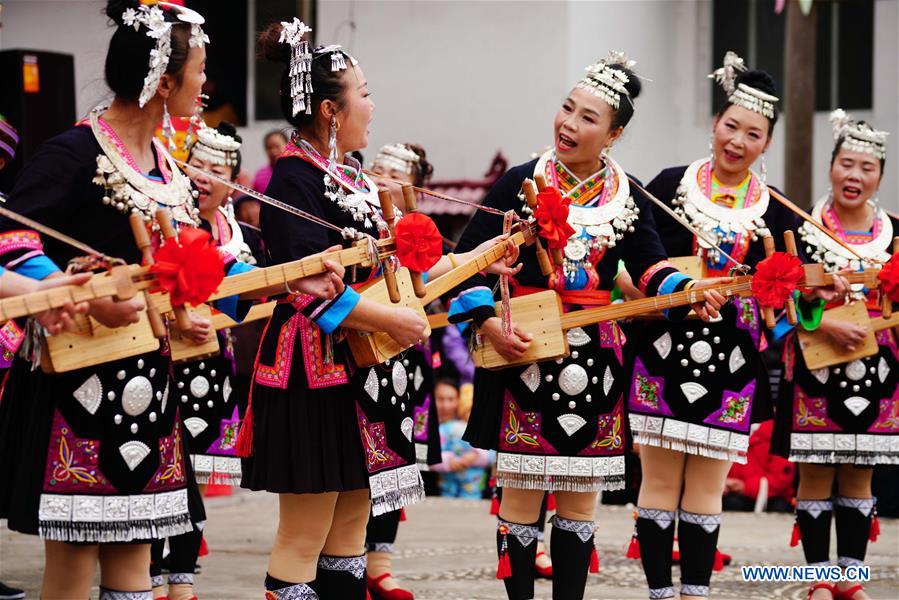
point(611, 336)
point(171, 462)
point(748, 317)
point(378, 456)
point(228, 437)
point(278, 373)
point(810, 413)
point(318, 357)
point(11, 336)
point(647, 392)
point(514, 434)
point(610, 435)
point(420, 413)
point(72, 462)
point(888, 419)
point(735, 409)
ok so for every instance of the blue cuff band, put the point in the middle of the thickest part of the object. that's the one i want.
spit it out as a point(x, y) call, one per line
point(232, 305)
point(669, 284)
point(468, 302)
point(330, 319)
point(37, 267)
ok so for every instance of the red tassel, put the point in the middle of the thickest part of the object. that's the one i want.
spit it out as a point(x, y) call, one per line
point(402, 514)
point(718, 565)
point(204, 548)
point(494, 506)
point(551, 502)
point(504, 567)
point(594, 561)
point(794, 539)
point(244, 445)
point(633, 549)
point(875, 529)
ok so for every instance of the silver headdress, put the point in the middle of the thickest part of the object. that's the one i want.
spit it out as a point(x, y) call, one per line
point(397, 157)
point(858, 136)
point(607, 82)
point(741, 94)
point(300, 64)
point(215, 147)
point(153, 18)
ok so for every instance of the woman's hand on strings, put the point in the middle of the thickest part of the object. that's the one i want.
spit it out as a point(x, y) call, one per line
point(62, 319)
point(200, 330)
point(112, 313)
point(505, 265)
point(511, 347)
point(710, 306)
point(845, 334)
point(405, 326)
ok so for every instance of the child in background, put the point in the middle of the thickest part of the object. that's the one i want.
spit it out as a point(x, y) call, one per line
point(463, 470)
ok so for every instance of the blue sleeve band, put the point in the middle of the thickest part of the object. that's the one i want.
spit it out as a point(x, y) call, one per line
point(37, 267)
point(782, 328)
point(469, 304)
point(670, 283)
point(233, 306)
point(330, 319)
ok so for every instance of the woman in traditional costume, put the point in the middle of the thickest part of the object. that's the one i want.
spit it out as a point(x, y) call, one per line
point(95, 456)
point(839, 421)
point(398, 164)
point(334, 441)
point(560, 426)
point(697, 387)
point(207, 405)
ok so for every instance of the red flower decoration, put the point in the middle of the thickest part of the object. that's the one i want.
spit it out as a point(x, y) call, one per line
point(889, 278)
point(552, 218)
point(419, 244)
point(189, 267)
point(776, 278)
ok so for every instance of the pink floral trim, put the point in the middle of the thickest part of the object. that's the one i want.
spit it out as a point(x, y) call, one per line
point(171, 473)
point(73, 462)
point(374, 441)
point(11, 336)
point(277, 374)
point(318, 358)
point(20, 239)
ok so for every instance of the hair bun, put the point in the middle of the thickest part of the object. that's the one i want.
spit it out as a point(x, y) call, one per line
point(115, 8)
point(269, 46)
point(633, 85)
point(226, 128)
point(759, 80)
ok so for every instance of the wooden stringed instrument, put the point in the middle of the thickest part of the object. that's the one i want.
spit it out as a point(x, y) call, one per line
point(94, 343)
point(541, 314)
point(371, 348)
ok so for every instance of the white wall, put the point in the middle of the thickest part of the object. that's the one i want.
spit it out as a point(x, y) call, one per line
point(466, 78)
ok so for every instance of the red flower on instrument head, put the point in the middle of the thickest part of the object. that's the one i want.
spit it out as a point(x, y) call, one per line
point(189, 267)
point(552, 217)
point(419, 244)
point(889, 278)
point(776, 278)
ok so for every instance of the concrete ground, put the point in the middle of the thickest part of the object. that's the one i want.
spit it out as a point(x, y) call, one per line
point(446, 550)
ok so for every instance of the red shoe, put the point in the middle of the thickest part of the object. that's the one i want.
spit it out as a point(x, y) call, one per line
point(846, 594)
point(725, 558)
point(204, 549)
point(543, 572)
point(825, 586)
point(379, 593)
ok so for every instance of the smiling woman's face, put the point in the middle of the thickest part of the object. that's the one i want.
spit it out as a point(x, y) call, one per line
point(740, 136)
point(854, 178)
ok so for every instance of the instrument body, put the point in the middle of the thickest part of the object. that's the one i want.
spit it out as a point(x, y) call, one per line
point(820, 350)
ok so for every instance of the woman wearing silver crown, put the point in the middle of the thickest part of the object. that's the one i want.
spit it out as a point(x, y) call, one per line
point(560, 426)
point(698, 387)
point(95, 456)
point(398, 164)
point(208, 407)
point(838, 421)
point(334, 441)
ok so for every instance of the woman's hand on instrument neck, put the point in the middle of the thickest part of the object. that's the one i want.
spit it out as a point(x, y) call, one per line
point(845, 334)
point(405, 325)
point(505, 265)
point(839, 289)
point(710, 307)
point(326, 286)
point(61, 319)
point(111, 313)
point(511, 347)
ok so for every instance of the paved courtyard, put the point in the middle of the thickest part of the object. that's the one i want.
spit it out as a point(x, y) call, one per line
point(445, 550)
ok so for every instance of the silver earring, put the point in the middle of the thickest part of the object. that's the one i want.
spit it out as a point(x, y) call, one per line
point(332, 142)
point(764, 170)
point(168, 131)
point(712, 151)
